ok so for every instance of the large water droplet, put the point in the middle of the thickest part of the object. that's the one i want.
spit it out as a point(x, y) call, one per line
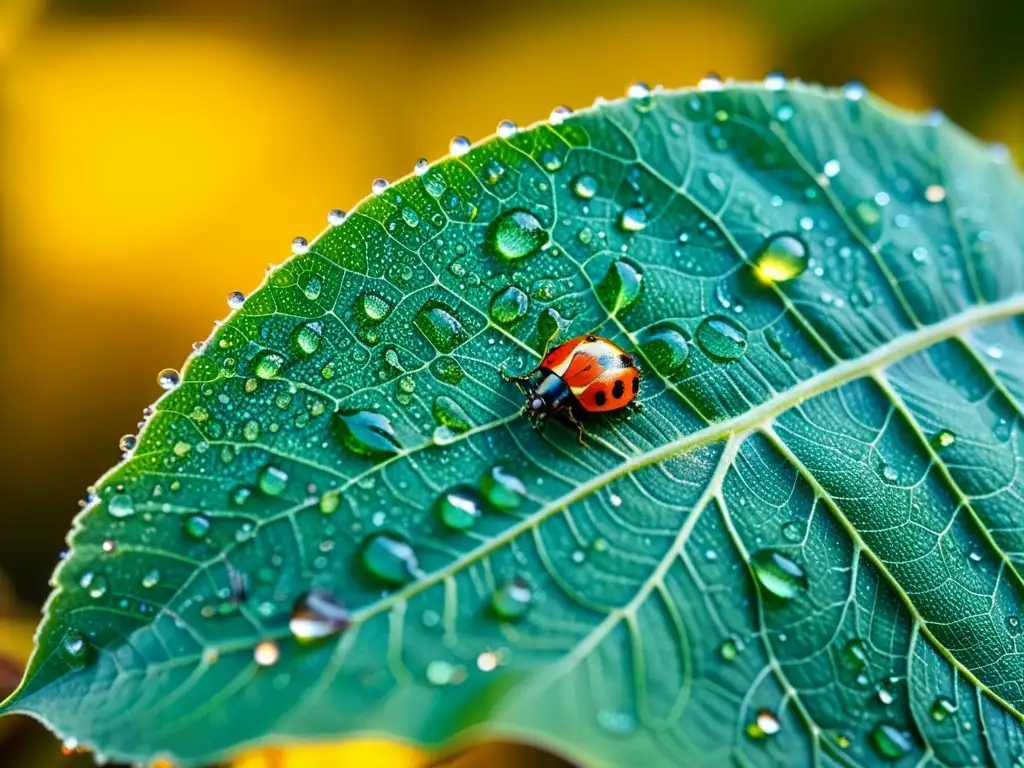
point(517, 234)
point(373, 307)
point(781, 257)
point(665, 348)
point(448, 413)
point(721, 338)
point(458, 508)
point(942, 708)
point(512, 599)
point(316, 615)
point(620, 288)
point(778, 575)
point(632, 219)
point(390, 558)
point(890, 741)
point(307, 336)
point(273, 480)
point(168, 378)
point(502, 489)
point(120, 505)
point(584, 186)
point(268, 365)
point(441, 328)
point(508, 305)
point(197, 526)
point(366, 433)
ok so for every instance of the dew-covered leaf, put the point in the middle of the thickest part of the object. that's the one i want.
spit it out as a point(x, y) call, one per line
point(804, 547)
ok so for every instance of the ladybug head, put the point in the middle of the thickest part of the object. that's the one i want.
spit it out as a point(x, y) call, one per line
point(536, 406)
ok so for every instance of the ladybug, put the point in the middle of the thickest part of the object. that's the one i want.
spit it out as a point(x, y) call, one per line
point(589, 372)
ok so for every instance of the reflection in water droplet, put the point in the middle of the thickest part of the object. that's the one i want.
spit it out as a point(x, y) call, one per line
point(779, 258)
point(516, 234)
point(665, 348)
point(632, 219)
point(390, 558)
point(620, 288)
point(127, 443)
point(316, 615)
point(502, 489)
point(120, 506)
point(268, 365)
point(266, 654)
point(236, 299)
point(300, 246)
point(366, 433)
point(273, 480)
point(440, 327)
point(458, 508)
point(942, 708)
point(448, 413)
point(890, 741)
point(584, 186)
point(721, 338)
point(508, 305)
point(512, 599)
point(197, 526)
point(777, 574)
point(168, 378)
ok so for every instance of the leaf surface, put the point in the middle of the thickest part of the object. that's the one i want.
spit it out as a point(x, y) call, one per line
point(804, 547)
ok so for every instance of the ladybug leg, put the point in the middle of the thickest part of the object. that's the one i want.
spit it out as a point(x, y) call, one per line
point(576, 423)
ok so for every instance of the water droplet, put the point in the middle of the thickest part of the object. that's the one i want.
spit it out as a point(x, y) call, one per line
point(316, 615)
point(508, 305)
point(767, 722)
point(559, 114)
point(151, 579)
point(666, 349)
point(459, 146)
point(854, 91)
point(638, 90)
point(584, 186)
point(730, 649)
point(95, 584)
point(420, 167)
point(273, 480)
point(888, 690)
point(777, 574)
point(373, 307)
point(502, 489)
point(379, 186)
point(168, 378)
point(446, 369)
point(890, 741)
point(336, 217)
point(632, 219)
point(516, 234)
point(550, 160)
point(721, 339)
point(109, 545)
point(76, 649)
point(307, 336)
point(127, 443)
point(410, 217)
point(512, 599)
point(266, 654)
point(311, 286)
point(867, 213)
point(197, 526)
point(120, 506)
point(942, 708)
point(620, 288)
point(854, 655)
point(329, 502)
point(792, 531)
point(506, 129)
point(934, 193)
point(448, 413)
point(943, 439)
point(300, 246)
point(440, 327)
point(389, 557)
point(268, 365)
point(775, 81)
point(458, 508)
point(831, 168)
point(710, 82)
point(366, 433)
point(890, 474)
point(781, 257)
point(236, 299)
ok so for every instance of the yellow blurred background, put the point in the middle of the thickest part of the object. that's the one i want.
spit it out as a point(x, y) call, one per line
point(156, 155)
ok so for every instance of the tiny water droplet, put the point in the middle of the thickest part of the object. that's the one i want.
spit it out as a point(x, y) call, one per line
point(268, 365)
point(509, 305)
point(273, 480)
point(621, 286)
point(329, 502)
point(792, 531)
point(942, 708)
point(311, 286)
point(934, 193)
point(550, 160)
point(95, 584)
point(638, 90)
point(710, 82)
point(127, 443)
point(373, 307)
point(151, 579)
point(506, 129)
point(721, 339)
point(779, 258)
point(559, 114)
point(459, 146)
point(379, 186)
point(854, 655)
point(502, 489)
point(775, 81)
point(888, 689)
point(831, 168)
point(366, 433)
point(168, 378)
point(854, 91)
point(584, 186)
point(943, 439)
point(76, 648)
point(300, 246)
point(236, 299)
point(420, 167)
point(516, 234)
point(632, 219)
point(316, 615)
point(458, 508)
point(197, 526)
point(767, 722)
point(336, 217)
point(120, 505)
point(780, 576)
point(389, 557)
point(266, 653)
point(890, 741)
point(307, 336)
point(730, 649)
point(512, 599)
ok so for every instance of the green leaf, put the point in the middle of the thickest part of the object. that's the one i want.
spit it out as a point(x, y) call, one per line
point(805, 547)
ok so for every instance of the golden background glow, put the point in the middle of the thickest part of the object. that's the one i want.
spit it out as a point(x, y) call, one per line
point(156, 155)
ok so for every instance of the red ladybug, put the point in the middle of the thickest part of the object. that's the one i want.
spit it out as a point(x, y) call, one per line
point(590, 372)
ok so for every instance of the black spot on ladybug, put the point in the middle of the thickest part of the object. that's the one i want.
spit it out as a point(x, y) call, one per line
point(627, 361)
point(636, 384)
point(600, 398)
point(618, 390)
point(591, 337)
